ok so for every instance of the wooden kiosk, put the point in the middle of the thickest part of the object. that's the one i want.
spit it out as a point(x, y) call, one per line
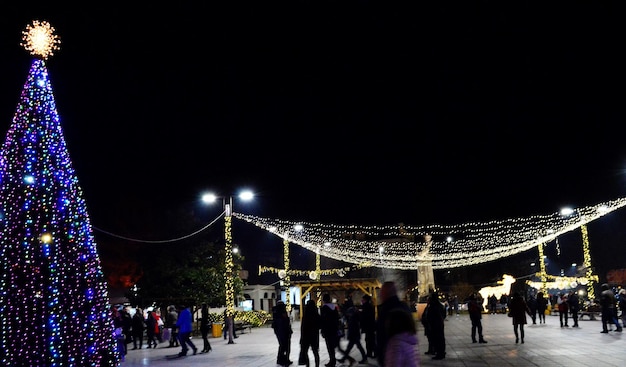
point(366, 285)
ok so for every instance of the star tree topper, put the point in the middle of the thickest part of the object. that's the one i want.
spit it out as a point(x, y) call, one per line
point(39, 39)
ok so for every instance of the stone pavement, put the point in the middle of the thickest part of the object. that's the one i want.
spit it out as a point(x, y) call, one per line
point(546, 345)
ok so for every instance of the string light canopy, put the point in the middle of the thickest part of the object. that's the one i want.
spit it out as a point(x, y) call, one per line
point(393, 247)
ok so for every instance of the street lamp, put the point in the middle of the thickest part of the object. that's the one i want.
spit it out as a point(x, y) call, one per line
point(228, 249)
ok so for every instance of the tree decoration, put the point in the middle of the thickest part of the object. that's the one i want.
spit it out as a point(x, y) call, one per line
point(53, 293)
point(40, 40)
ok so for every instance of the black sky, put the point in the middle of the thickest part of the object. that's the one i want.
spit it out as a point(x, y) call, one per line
point(367, 112)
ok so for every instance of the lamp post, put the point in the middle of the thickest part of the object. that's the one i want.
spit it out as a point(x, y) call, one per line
point(228, 249)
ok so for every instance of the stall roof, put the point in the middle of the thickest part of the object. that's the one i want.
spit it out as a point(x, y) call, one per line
point(365, 285)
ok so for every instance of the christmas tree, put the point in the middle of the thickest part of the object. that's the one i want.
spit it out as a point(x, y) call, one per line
point(53, 294)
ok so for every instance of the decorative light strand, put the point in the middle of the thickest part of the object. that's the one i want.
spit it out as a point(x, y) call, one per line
point(587, 264)
point(475, 242)
point(287, 280)
point(542, 269)
point(307, 273)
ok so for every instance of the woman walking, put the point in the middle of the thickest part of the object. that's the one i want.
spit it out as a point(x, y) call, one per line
point(310, 334)
point(518, 310)
point(282, 329)
point(354, 336)
point(542, 306)
point(204, 328)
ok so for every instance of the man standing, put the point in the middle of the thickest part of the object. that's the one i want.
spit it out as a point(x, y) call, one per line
point(185, 327)
point(493, 304)
point(330, 328)
point(476, 314)
point(436, 317)
point(532, 306)
point(390, 301)
point(563, 308)
point(574, 307)
point(368, 324)
point(170, 322)
point(609, 313)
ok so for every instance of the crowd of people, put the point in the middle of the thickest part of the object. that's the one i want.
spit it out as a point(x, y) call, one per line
point(388, 329)
point(175, 328)
point(390, 338)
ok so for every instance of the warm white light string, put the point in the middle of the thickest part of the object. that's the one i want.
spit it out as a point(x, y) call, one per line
point(399, 246)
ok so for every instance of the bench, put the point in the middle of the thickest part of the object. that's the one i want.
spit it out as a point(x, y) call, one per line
point(592, 311)
point(591, 314)
point(242, 326)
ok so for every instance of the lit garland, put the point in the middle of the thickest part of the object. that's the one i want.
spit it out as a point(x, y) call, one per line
point(560, 282)
point(543, 275)
point(307, 273)
point(587, 263)
point(474, 242)
point(228, 248)
point(318, 266)
point(53, 292)
point(287, 279)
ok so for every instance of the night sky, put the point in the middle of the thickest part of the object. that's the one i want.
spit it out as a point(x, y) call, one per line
point(344, 112)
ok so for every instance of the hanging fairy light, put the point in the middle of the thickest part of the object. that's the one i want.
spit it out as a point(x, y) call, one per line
point(474, 242)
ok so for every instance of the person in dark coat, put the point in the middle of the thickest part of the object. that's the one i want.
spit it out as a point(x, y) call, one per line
point(518, 310)
point(563, 309)
point(609, 312)
point(436, 317)
point(476, 314)
point(390, 301)
point(532, 306)
point(310, 334)
point(127, 326)
point(574, 307)
point(151, 324)
point(330, 328)
point(493, 304)
point(424, 321)
point(205, 326)
point(354, 336)
point(542, 306)
point(139, 325)
point(368, 325)
point(170, 322)
point(282, 329)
